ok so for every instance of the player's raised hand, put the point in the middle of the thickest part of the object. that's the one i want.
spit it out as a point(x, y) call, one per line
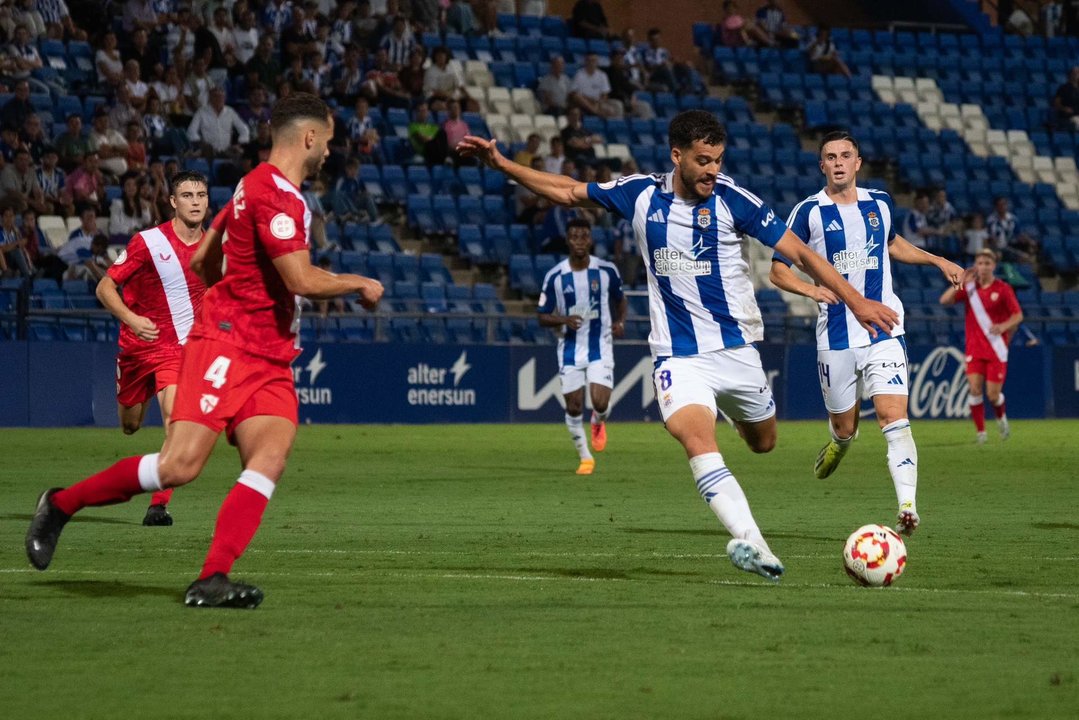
point(486, 151)
point(873, 315)
point(952, 272)
point(370, 292)
point(144, 328)
point(824, 295)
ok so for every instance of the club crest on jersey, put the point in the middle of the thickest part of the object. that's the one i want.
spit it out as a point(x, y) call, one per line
point(704, 218)
point(874, 221)
point(207, 403)
point(594, 285)
point(121, 257)
point(283, 227)
point(993, 296)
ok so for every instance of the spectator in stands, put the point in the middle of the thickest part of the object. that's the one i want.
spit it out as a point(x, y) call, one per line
point(1019, 22)
point(297, 38)
point(351, 203)
point(772, 21)
point(19, 185)
point(736, 31)
point(455, 129)
point(139, 14)
point(14, 259)
point(398, 43)
point(144, 51)
point(362, 133)
point(109, 64)
point(265, 64)
point(136, 147)
point(554, 88)
point(170, 90)
point(71, 145)
point(245, 37)
point(256, 110)
point(110, 145)
point(916, 225)
point(87, 182)
point(92, 264)
point(222, 30)
point(823, 56)
point(577, 141)
point(941, 214)
point(212, 129)
point(58, 23)
point(364, 25)
point(1066, 102)
point(26, 13)
point(442, 82)
point(53, 182)
point(18, 108)
point(121, 111)
point(423, 134)
point(33, 138)
point(128, 213)
point(9, 144)
point(591, 90)
point(525, 155)
point(975, 237)
point(382, 85)
point(529, 207)
point(137, 90)
point(197, 86)
point(412, 76)
point(24, 52)
point(658, 65)
point(624, 88)
point(257, 150)
point(589, 21)
point(1007, 237)
point(1052, 19)
point(555, 157)
point(350, 75)
point(460, 19)
point(42, 258)
point(155, 127)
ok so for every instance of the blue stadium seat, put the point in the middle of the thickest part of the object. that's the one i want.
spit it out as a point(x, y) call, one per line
point(473, 245)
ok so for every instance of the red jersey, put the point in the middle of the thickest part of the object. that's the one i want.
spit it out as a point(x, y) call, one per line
point(158, 283)
point(999, 303)
point(250, 306)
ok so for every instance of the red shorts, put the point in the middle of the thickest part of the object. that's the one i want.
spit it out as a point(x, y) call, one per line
point(140, 377)
point(992, 369)
point(221, 385)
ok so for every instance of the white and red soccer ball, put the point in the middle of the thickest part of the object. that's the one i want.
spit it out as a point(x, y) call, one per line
point(874, 556)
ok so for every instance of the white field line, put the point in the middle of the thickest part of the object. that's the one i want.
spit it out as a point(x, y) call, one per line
point(419, 575)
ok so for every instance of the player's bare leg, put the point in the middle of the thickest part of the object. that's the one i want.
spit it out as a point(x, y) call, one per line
point(760, 436)
point(902, 458)
point(264, 442)
point(843, 428)
point(157, 513)
point(977, 404)
point(131, 417)
point(694, 426)
point(996, 398)
point(182, 457)
point(601, 402)
point(575, 425)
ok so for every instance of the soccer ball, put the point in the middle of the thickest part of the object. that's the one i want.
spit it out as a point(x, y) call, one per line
point(875, 556)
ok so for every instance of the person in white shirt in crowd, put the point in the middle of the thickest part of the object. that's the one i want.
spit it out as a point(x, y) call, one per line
point(111, 145)
point(245, 37)
point(197, 86)
point(441, 81)
point(221, 28)
point(137, 90)
point(129, 213)
point(213, 125)
point(553, 89)
point(976, 236)
point(590, 90)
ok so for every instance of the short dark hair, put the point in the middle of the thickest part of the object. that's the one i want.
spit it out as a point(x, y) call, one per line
point(689, 126)
point(298, 106)
point(578, 223)
point(837, 136)
point(186, 176)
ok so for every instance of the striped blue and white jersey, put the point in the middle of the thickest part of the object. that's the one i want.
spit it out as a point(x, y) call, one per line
point(588, 293)
point(700, 297)
point(854, 238)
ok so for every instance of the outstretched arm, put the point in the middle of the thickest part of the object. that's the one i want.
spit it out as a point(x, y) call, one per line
point(785, 279)
point(303, 278)
point(867, 312)
point(901, 250)
point(559, 189)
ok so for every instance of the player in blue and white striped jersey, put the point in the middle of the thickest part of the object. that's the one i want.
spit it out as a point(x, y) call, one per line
point(851, 228)
point(687, 224)
point(582, 296)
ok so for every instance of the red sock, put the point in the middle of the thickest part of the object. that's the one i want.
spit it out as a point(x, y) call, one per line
point(999, 409)
point(977, 414)
point(116, 484)
point(161, 497)
point(237, 522)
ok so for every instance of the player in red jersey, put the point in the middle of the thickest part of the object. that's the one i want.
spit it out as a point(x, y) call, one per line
point(235, 374)
point(158, 303)
point(992, 314)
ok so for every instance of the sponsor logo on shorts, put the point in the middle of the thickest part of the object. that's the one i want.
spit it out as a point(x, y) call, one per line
point(207, 403)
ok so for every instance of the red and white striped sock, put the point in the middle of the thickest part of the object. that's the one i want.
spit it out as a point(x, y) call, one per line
point(977, 413)
point(116, 484)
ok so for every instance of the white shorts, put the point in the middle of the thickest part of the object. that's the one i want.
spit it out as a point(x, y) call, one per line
point(731, 380)
point(880, 368)
point(598, 372)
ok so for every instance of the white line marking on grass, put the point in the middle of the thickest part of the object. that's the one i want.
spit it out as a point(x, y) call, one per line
point(934, 591)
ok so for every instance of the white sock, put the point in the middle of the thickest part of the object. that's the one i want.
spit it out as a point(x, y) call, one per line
point(841, 442)
point(257, 482)
point(149, 480)
point(575, 425)
point(719, 488)
point(902, 460)
point(1003, 416)
point(598, 418)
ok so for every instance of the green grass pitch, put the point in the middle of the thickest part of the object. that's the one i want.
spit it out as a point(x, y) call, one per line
point(466, 572)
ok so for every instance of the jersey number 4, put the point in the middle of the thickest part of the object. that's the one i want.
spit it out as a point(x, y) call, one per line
point(217, 374)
